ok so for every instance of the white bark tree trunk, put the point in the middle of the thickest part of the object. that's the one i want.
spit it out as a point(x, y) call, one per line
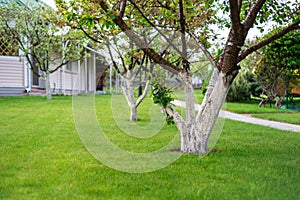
point(128, 91)
point(48, 87)
point(210, 109)
point(195, 130)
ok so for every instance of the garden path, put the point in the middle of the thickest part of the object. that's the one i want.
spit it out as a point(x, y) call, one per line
point(249, 119)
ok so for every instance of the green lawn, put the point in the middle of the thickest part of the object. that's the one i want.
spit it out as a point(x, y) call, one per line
point(42, 157)
point(250, 107)
point(293, 118)
point(271, 113)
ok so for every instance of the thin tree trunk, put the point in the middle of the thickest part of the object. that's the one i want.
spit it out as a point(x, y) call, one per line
point(189, 133)
point(48, 87)
point(128, 91)
point(133, 113)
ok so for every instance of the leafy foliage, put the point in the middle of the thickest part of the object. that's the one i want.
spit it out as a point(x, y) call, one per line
point(39, 33)
point(280, 12)
point(279, 63)
point(240, 89)
point(162, 96)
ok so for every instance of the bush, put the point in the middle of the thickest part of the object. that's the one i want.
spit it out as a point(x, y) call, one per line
point(239, 90)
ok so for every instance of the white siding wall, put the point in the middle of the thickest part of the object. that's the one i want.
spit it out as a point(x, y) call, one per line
point(11, 72)
point(68, 82)
point(55, 79)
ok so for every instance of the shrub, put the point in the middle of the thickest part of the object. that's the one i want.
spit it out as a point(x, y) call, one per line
point(239, 90)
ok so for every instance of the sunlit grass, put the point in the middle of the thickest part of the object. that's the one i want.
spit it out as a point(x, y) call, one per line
point(42, 157)
point(293, 118)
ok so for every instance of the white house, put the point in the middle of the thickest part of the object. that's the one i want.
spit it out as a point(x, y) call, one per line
point(17, 78)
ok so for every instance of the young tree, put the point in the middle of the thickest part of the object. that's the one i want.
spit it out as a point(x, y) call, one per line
point(130, 62)
point(192, 18)
point(278, 66)
point(42, 41)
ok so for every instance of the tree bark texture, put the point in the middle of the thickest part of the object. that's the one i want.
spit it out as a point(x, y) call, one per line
point(48, 87)
point(128, 91)
point(195, 130)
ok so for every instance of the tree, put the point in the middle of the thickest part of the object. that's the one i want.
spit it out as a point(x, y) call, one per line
point(278, 66)
point(130, 64)
point(192, 18)
point(38, 33)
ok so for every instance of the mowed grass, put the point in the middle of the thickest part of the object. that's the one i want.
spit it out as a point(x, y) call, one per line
point(293, 118)
point(267, 112)
point(42, 157)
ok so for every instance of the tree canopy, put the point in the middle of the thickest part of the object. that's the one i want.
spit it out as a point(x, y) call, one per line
point(278, 65)
point(36, 30)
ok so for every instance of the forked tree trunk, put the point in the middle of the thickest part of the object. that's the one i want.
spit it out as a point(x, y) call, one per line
point(48, 87)
point(196, 129)
point(128, 91)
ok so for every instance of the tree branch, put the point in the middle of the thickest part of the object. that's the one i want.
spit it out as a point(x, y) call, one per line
point(203, 48)
point(239, 2)
point(251, 16)
point(122, 8)
point(235, 14)
point(183, 39)
point(111, 57)
point(161, 33)
point(59, 66)
point(176, 117)
point(165, 6)
point(88, 35)
point(145, 92)
point(121, 57)
point(140, 43)
point(267, 41)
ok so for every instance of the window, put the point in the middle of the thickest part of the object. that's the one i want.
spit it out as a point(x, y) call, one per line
point(69, 66)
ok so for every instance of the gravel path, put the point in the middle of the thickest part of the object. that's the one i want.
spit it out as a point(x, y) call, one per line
point(249, 119)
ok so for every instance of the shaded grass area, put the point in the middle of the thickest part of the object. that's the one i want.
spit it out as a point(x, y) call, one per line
point(42, 157)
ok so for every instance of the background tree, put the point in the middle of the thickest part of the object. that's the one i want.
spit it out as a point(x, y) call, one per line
point(278, 66)
point(134, 66)
point(37, 31)
point(192, 18)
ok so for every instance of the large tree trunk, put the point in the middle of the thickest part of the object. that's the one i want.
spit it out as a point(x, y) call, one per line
point(211, 106)
point(48, 87)
point(195, 130)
